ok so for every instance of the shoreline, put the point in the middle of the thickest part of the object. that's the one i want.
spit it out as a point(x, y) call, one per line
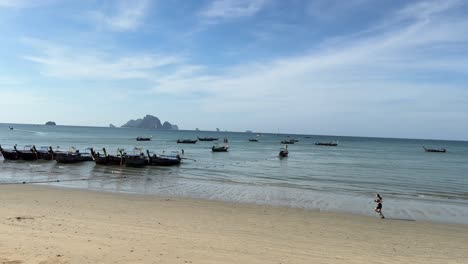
point(66, 225)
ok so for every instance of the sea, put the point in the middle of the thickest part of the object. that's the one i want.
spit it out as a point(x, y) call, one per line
point(415, 185)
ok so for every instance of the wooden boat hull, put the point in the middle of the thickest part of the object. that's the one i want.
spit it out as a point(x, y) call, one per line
point(161, 161)
point(219, 149)
point(208, 139)
point(326, 144)
point(435, 150)
point(44, 155)
point(283, 153)
point(10, 155)
point(287, 142)
point(135, 161)
point(186, 141)
point(68, 158)
point(27, 155)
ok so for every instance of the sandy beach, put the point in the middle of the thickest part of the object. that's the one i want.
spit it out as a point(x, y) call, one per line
point(41, 224)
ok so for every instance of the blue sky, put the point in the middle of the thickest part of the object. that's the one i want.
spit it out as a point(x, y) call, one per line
point(359, 67)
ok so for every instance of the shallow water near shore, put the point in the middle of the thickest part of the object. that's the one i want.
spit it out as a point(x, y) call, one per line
point(415, 185)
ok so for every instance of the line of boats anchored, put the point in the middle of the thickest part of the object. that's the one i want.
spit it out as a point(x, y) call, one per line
point(138, 157)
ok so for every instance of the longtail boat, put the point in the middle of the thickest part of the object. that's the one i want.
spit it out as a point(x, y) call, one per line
point(163, 159)
point(27, 153)
point(72, 156)
point(9, 154)
point(44, 153)
point(329, 144)
point(187, 141)
point(441, 150)
point(136, 159)
point(220, 148)
point(207, 139)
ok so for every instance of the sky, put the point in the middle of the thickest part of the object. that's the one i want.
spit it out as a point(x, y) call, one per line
point(384, 68)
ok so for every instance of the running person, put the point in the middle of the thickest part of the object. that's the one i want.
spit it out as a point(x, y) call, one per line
point(378, 208)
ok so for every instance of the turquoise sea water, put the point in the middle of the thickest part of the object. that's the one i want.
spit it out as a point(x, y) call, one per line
point(415, 184)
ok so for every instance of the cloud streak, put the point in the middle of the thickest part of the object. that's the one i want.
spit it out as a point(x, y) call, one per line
point(20, 4)
point(220, 9)
point(66, 62)
point(123, 16)
point(396, 63)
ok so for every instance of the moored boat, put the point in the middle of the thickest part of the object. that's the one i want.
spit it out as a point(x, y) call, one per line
point(136, 159)
point(143, 138)
point(441, 150)
point(288, 141)
point(220, 148)
point(163, 159)
point(106, 159)
point(72, 156)
point(207, 139)
point(187, 141)
point(9, 154)
point(44, 153)
point(253, 140)
point(329, 144)
point(27, 153)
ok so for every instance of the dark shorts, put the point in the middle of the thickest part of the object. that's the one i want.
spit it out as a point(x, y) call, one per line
point(379, 206)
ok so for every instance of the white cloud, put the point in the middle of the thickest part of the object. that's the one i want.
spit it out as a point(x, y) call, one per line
point(332, 9)
point(75, 63)
point(124, 16)
point(232, 8)
point(19, 4)
point(392, 73)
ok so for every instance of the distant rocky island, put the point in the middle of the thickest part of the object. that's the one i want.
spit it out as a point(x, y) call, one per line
point(150, 121)
point(111, 126)
point(50, 123)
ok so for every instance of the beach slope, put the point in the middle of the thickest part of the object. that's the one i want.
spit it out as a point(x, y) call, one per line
point(41, 224)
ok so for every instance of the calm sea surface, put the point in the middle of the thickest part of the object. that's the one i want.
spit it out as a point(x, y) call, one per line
point(415, 184)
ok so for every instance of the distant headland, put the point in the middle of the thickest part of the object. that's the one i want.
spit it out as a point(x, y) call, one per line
point(150, 121)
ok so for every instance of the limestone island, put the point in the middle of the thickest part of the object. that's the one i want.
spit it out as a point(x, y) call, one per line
point(150, 121)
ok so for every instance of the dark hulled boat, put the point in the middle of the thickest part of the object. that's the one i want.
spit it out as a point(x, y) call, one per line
point(219, 148)
point(163, 160)
point(143, 138)
point(44, 153)
point(441, 150)
point(253, 140)
point(136, 159)
point(187, 141)
point(72, 156)
point(132, 160)
point(207, 139)
point(329, 144)
point(289, 141)
point(9, 154)
point(27, 153)
point(106, 159)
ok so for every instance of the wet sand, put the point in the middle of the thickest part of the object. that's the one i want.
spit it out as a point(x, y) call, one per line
point(40, 224)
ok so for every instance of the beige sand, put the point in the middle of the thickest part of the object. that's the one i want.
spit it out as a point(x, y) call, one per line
point(50, 225)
